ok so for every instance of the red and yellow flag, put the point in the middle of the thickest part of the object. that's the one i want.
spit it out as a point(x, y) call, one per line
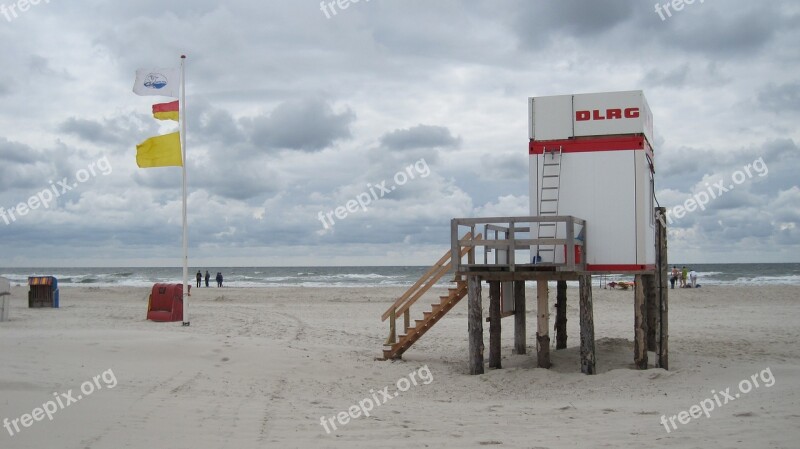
point(166, 111)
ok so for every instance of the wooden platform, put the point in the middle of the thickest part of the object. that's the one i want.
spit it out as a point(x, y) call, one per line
point(504, 274)
point(650, 297)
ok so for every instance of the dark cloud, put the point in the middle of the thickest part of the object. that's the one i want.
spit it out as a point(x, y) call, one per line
point(674, 77)
point(539, 24)
point(17, 153)
point(223, 176)
point(218, 126)
point(23, 168)
point(420, 136)
point(504, 166)
point(307, 125)
point(724, 32)
point(41, 66)
point(241, 181)
point(779, 98)
point(89, 130)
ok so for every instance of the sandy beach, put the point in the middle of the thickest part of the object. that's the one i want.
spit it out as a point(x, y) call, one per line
point(260, 367)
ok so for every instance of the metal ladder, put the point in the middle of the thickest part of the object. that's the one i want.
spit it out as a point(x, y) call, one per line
point(548, 203)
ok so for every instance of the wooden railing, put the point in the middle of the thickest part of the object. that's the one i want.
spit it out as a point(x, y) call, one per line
point(512, 234)
point(402, 306)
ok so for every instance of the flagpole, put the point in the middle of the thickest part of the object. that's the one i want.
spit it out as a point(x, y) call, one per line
point(186, 321)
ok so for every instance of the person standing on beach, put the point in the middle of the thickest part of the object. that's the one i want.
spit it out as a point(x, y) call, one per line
point(684, 275)
point(673, 277)
point(199, 278)
point(693, 278)
point(208, 276)
point(219, 279)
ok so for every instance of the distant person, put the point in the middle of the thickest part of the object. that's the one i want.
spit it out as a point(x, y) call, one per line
point(219, 279)
point(673, 277)
point(199, 278)
point(684, 275)
point(208, 277)
point(693, 278)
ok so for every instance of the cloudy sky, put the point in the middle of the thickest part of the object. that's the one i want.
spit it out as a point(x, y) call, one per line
point(293, 111)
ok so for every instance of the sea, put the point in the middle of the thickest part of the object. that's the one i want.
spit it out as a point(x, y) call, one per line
point(384, 276)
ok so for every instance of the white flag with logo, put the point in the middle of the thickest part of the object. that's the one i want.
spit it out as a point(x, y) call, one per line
point(164, 82)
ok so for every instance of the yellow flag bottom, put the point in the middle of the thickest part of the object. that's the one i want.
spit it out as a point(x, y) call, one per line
point(160, 151)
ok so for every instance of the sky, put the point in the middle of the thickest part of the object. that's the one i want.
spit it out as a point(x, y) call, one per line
point(296, 107)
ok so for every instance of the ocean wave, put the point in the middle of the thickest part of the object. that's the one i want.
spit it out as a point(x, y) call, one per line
point(769, 280)
point(252, 277)
point(88, 281)
point(370, 276)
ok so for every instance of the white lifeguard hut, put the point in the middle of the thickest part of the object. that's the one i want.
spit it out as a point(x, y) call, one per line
point(591, 156)
point(592, 212)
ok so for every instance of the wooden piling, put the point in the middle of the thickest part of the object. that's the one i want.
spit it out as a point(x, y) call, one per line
point(651, 303)
point(543, 325)
point(640, 324)
point(561, 315)
point(475, 324)
point(494, 325)
point(392, 339)
point(588, 361)
point(662, 327)
point(520, 336)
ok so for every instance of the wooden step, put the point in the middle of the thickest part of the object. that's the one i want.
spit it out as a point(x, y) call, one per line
point(437, 312)
point(434, 318)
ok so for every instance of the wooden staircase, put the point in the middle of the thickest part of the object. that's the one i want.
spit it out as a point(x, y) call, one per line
point(430, 318)
point(397, 346)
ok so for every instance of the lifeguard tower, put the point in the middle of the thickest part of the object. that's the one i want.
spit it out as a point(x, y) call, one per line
point(592, 212)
